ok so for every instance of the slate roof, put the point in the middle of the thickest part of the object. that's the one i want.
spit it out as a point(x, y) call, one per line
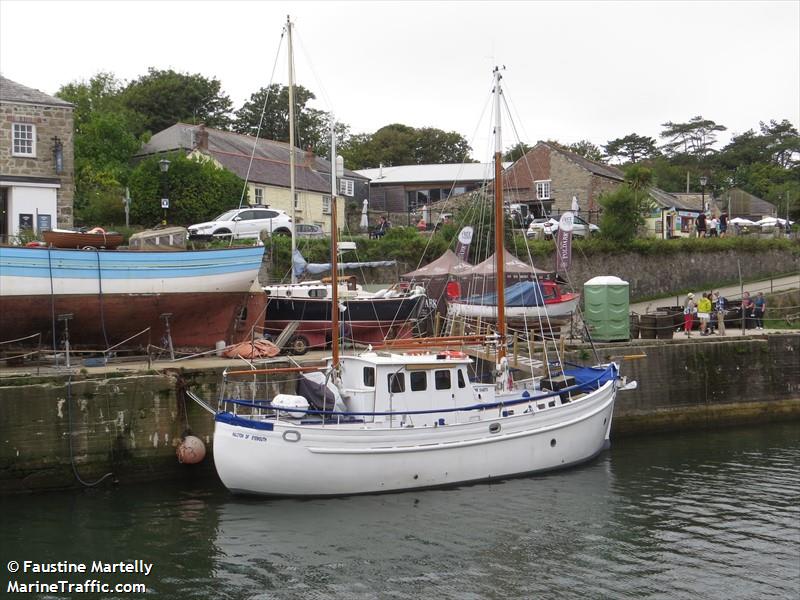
point(679, 201)
point(448, 173)
point(597, 168)
point(232, 150)
point(11, 91)
point(744, 200)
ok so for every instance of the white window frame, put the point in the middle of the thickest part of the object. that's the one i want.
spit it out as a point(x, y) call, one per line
point(259, 195)
point(326, 205)
point(296, 201)
point(15, 137)
point(546, 192)
point(347, 187)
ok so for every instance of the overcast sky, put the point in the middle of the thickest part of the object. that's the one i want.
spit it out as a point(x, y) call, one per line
point(574, 70)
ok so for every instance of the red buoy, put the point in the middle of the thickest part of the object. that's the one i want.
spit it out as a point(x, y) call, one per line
point(191, 450)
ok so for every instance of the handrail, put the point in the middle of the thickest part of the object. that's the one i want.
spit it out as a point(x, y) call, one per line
point(275, 370)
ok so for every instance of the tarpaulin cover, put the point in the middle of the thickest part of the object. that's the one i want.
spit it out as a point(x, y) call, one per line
point(524, 293)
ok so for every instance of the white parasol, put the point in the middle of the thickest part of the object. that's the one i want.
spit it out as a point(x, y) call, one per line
point(364, 216)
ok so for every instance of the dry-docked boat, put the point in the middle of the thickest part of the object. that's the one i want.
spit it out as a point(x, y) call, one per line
point(204, 295)
point(386, 421)
point(96, 238)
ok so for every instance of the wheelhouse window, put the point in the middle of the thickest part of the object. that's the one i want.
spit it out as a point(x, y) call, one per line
point(543, 190)
point(397, 383)
point(23, 140)
point(369, 376)
point(419, 381)
point(326, 205)
point(442, 379)
point(461, 381)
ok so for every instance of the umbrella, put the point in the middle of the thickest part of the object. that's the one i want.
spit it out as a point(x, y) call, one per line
point(364, 217)
point(740, 221)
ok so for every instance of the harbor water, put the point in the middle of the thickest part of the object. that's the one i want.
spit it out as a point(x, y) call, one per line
point(697, 515)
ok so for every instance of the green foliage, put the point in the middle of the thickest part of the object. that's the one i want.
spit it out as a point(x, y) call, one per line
point(164, 98)
point(588, 150)
point(695, 137)
point(623, 211)
point(516, 152)
point(632, 147)
point(399, 144)
point(312, 125)
point(198, 191)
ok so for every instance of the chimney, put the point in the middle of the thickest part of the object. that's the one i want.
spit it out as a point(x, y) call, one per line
point(380, 170)
point(201, 137)
point(309, 157)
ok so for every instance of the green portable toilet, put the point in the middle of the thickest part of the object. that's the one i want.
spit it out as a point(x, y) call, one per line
point(606, 304)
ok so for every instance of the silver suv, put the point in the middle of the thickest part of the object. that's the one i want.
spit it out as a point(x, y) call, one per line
point(243, 223)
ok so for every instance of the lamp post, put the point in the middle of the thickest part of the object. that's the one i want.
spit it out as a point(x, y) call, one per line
point(703, 182)
point(163, 166)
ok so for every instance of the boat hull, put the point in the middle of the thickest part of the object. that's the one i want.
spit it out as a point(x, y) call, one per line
point(513, 313)
point(302, 460)
point(114, 295)
point(79, 240)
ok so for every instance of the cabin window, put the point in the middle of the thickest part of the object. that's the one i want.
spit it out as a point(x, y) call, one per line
point(397, 383)
point(419, 381)
point(369, 376)
point(443, 379)
point(320, 293)
point(461, 382)
point(23, 140)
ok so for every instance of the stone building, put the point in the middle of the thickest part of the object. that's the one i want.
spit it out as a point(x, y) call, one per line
point(37, 184)
point(547, 178)
point(264, 165)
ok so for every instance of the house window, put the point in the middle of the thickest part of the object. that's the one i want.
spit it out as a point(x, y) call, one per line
point(543, 190)
point(296, 201)
point(259, 195)
point(347, 187)
point(23, 140)
point(326, 205)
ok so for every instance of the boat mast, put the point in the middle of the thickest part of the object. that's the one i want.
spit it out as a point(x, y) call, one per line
point(499, 221)
point(334, 254)
point(292, 212)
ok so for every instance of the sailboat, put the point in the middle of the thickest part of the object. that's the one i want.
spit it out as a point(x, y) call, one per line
point(387, 421)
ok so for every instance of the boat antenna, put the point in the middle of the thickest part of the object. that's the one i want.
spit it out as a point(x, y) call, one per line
point(499, 234)
point(291, 142)
point(334, 253)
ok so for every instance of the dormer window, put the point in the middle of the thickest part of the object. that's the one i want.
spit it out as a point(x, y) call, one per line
point(23, 140)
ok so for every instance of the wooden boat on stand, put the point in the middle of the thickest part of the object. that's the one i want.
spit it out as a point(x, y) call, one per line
point(93, 239)
point(387, 420)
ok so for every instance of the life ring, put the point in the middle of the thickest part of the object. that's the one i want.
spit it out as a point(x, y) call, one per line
point(453, 354)
point(97, 230)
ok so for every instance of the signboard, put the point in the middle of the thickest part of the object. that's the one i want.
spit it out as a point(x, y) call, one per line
point(165, 203)
point(25, 221)
point(44, 222)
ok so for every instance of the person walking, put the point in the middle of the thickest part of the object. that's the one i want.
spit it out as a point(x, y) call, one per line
point(759, 308)
point(720, 305)
point(689, 310)
point(704, 313)
point(747, 310)
point(723, 224)
point(701, 225)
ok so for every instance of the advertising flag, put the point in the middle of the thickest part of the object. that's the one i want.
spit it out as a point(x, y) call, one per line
point(564, 242)
point(464, 240)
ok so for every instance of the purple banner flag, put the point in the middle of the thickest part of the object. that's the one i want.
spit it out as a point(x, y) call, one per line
point(464, 240)
point(564, 242)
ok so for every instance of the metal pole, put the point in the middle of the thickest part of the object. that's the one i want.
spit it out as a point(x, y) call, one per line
point(291, 142)
point(741, 293)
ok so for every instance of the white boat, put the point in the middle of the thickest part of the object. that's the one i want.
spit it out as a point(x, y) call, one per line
point(385, 421)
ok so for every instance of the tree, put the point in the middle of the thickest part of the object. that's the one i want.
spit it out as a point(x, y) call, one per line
point(312, 126)
point(100, 94)
point(516, 152)
point(198, 190)
point(783, 142)
point(398, 144)
point(632, 147)
point(164, 98)
point(588, 150)
point(624, 208)
point(695, 137)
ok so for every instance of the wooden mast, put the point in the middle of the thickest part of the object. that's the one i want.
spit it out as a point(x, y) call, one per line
point(292, 212)
point(499, 221)
point(334, 254)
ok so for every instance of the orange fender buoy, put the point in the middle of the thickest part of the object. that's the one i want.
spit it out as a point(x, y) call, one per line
point(191, 450)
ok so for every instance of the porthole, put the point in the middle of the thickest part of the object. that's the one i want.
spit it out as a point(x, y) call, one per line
point(291, 436)
point(553, 443)
point(494, 428)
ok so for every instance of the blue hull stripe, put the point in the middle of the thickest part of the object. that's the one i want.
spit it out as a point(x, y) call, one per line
point(231, 419)
point(120, 264)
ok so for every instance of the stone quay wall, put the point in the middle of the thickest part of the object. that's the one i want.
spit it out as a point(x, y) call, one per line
point(131, 425)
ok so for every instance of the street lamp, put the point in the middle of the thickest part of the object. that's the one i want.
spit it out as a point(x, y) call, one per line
point(703, 182)
point(163, 166)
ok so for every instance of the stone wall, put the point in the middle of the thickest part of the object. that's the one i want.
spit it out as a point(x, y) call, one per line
point(50, 122)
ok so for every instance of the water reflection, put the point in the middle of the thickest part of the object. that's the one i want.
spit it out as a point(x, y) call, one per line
point(698, 515)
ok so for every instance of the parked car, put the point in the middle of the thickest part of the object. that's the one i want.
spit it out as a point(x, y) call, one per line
point(243, 223)
point(580, 228)
point(308, 230)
